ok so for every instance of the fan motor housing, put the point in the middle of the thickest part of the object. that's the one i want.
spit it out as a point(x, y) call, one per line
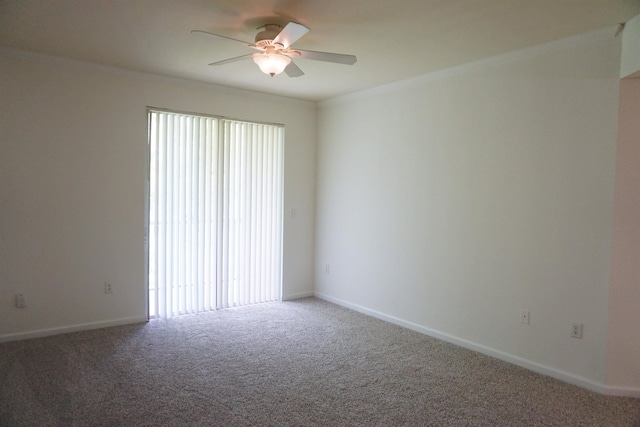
point(265, 37)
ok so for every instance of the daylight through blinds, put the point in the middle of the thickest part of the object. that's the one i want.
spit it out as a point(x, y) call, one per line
point(215, 213)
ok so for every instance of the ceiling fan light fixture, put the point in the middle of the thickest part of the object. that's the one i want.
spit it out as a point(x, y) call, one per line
point(276, 52)
point(271, 63)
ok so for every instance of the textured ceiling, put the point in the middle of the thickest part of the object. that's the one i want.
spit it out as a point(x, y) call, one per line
point(393, 40)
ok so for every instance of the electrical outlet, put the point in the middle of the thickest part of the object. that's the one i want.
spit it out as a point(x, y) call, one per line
point(20, 301)
point(576, 330)
point(108, 289)
point(524, 317)
point(327, 269)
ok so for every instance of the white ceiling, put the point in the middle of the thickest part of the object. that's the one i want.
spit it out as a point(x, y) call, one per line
point(393, 40)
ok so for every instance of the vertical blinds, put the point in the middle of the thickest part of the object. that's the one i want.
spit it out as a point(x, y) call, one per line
point(215, 213)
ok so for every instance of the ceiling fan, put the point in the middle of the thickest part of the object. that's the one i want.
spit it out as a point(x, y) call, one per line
point(274, 54)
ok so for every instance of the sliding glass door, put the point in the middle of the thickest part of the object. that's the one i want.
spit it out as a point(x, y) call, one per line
point(215, 213)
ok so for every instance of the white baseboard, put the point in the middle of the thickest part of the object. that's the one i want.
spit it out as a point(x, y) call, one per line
point(621, 391)
point(299, 295)
point(38, 333)
point(524, 363)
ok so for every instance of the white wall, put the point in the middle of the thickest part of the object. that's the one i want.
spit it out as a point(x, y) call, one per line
point(623, 362)
point(450, 202)
point(630, 60)
point(72, 174)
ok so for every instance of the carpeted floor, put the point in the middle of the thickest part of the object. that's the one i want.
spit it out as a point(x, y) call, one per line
point(298, 363)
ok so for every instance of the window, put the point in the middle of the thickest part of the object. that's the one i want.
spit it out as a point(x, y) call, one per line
point(215, 213)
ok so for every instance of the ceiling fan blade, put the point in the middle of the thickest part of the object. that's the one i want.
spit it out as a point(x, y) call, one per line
point(237, 58)
point(293, 70)
point(292, 32)
point(338, 58)
point(204, 33)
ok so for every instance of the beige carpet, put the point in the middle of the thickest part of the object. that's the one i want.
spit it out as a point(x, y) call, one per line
point(299, 363)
